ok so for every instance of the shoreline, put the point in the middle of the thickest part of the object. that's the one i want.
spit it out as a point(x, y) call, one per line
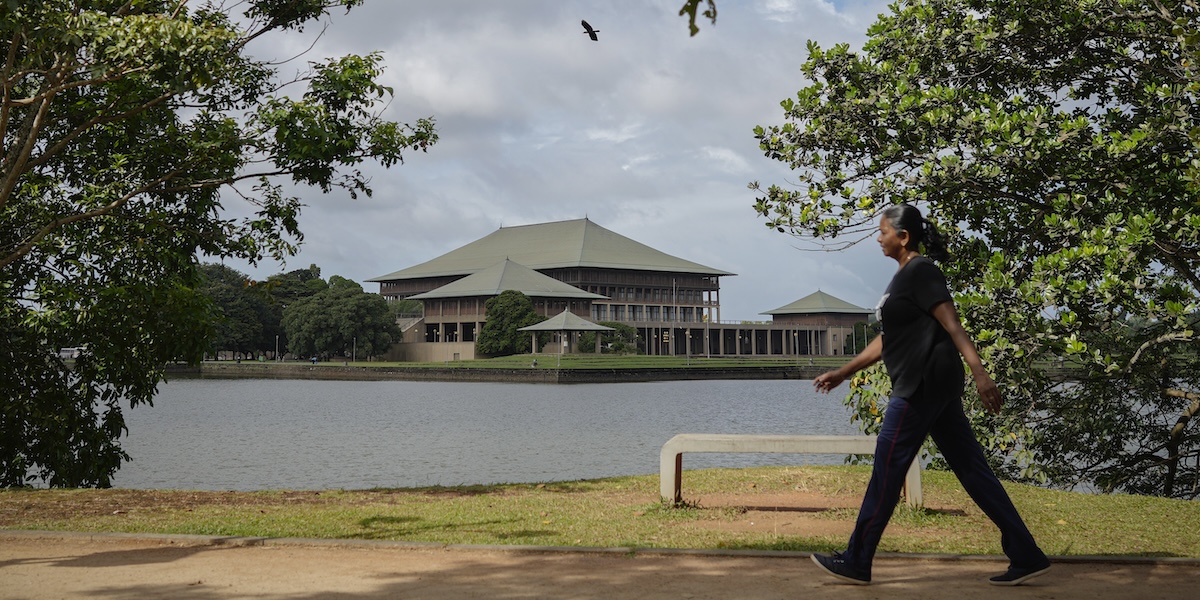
point(333, 372)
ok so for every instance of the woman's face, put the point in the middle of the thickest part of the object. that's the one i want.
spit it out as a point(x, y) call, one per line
point(892, 242)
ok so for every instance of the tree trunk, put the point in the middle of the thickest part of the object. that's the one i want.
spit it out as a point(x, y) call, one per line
point(1176, 434)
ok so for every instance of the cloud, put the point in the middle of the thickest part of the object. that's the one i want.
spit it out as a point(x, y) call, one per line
point(616, 135)
point(726, 159)
point(647, 131)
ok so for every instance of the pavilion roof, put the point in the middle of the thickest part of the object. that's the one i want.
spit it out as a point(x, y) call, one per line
point(819, 303)
point(566, 321)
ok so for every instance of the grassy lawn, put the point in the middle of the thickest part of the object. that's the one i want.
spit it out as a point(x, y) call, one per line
point(772, 508)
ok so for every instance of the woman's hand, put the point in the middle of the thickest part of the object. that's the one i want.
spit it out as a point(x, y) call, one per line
point(869, 356)
point(828, 380)
point(989, 394)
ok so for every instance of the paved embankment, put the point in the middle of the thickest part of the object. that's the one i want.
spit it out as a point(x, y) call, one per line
point(37, 565)
point(335, 371)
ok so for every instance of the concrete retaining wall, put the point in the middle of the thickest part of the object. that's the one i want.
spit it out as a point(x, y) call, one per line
point(334, 371)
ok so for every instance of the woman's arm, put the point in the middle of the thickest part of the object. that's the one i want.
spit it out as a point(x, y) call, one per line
point(947, 315)
point(869, 356)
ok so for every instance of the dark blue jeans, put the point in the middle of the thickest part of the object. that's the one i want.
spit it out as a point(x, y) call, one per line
point(905, 425)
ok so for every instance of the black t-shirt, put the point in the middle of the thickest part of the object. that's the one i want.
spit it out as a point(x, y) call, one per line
point(916, 348)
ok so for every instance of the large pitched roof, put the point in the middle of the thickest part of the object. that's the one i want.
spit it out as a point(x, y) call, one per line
point(818, 303)
point(560, 244)
point(507, 275)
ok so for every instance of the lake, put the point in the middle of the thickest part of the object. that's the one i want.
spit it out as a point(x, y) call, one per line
point(214, 434)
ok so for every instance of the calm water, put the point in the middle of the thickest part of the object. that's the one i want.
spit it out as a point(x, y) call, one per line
point(211, 434)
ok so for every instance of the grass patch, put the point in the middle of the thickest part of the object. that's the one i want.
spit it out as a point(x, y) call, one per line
point(626, 512)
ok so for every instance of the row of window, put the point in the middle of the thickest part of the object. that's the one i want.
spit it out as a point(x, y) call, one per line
point(637, 294)
point(645, 278)
point(635, 312)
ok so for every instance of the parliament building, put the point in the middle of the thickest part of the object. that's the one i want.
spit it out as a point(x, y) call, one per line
point(596, 274)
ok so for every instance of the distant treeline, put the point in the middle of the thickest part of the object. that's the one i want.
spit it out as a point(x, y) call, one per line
point(299, 314)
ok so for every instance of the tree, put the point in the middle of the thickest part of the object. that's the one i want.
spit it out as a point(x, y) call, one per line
point(857, 342)
point(240, 309)
point(689, 9)
point(289, 287)
point(285, 289)
point(623, 340)
point(342, 320)
point(506, 313)
point(124, 126)
point(1056, 143)
point(406, 308)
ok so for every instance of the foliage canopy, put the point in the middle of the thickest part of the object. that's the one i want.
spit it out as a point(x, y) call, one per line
point(1057, 143)
point(506, 313)
point(341, 321)
point(622, 340)
point(124, 126)
point(242, 309)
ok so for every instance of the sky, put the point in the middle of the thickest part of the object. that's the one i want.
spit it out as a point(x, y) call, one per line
point(647, 132)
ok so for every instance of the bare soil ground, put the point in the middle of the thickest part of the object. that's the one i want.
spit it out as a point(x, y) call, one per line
point(117, 501)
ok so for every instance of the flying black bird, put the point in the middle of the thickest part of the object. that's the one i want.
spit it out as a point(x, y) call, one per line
point(589, 31)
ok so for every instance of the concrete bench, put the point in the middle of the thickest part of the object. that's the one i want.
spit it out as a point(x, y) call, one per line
point(671, 457)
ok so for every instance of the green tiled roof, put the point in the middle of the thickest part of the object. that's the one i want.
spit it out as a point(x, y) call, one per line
point(507, 275)
point(818, 303)
point(567, 321)
point(561, 244)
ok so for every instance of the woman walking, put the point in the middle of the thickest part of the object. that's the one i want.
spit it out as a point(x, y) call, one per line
point(920, 346)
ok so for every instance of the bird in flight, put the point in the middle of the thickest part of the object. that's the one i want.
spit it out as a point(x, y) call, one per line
point(589, 31)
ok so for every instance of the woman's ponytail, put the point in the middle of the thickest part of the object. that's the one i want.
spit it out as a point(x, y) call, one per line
point(935, 244)
point(906, 217)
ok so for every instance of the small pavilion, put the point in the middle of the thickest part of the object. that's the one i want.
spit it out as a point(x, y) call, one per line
point(567, 325)
point(827, 322)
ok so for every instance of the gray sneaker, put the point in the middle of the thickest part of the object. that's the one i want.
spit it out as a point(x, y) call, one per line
point(837, 566)
point(1019, 575)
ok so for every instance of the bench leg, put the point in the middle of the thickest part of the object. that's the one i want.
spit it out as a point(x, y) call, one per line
point(912, 486)
point(678, 496)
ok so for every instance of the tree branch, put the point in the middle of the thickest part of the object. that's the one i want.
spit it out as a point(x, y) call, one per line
point(103, 117)
point(1177, 435)
point(26, 246)
point(1173, 257)
point(1174, 336)
point(5, 109)
point(17, 166)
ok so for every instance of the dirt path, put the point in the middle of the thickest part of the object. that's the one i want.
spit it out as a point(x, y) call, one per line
point(35, 566)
